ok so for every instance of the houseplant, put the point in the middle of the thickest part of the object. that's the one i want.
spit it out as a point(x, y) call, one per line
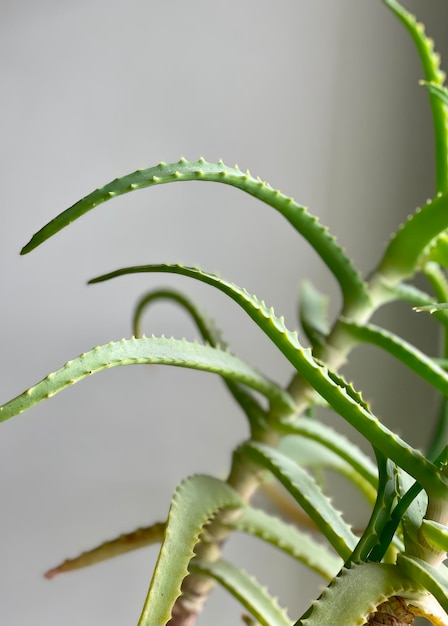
point(407, 253)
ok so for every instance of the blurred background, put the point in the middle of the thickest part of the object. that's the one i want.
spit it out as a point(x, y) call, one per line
point(319, 98)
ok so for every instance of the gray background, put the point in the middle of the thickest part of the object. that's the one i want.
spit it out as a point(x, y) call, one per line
point(319, 98)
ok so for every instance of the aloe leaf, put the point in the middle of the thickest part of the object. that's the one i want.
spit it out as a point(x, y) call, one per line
point(212, 335)
point(313, 314)
point(146, 350)
point(434, 75)
point(355, 593)
point(385, 500)
point(246, 590)
point(403, 253)
point(304, 489)
point(299, 545)
point(437, 251)
point(434, 580)
point(307, 225)
point(402, 350)
point(195, 502)
point(308, 453)
point(420, 299)
point(343, 401)
point(140, 538)
point(436, 534)
point(340, 445)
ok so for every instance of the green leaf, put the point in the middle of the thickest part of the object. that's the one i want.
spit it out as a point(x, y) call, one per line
point(436, 534)
point(309, 453)
point(316, 374)
point(434, 75)
point(385, 500)
point(304, 489)
point(434, 580)
point(286, 537)
point(246, 590)
point(212, 335)
point(340, 445)
point(146, 350)
point(140, 538)
point(195, 502)
point(355, 594)
point(402, 255)
point(313, 314)
point(405, 352)
point(307, 225)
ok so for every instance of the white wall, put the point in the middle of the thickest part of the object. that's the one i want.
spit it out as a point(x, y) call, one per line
point(319, 98)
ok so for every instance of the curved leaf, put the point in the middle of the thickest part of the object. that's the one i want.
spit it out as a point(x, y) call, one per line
point(434, 580)
point(307, 225)
point(381, 514)
point(340, 445)
point(195, 501)
point(338, 397)
point(436, 534)
point(309, 453)
point(355, 594)
point(246, 589)
point(304, 489)
point(402, 255)
point(146, 350)
point(286, 537)
point(140, 538)
point(434, 75)
point(210, 334)
point(402, 350)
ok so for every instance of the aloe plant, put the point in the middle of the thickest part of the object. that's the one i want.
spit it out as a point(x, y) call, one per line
point(390, 572)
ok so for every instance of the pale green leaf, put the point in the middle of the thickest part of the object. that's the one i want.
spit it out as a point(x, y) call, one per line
point(434, 580)
point(405, 352)
point(140, 538)
point(307, 225)
point(146, 350)
point(355, 594)
point(246, 589)
point(195, 502)
point(301, 546)
point(307, 493)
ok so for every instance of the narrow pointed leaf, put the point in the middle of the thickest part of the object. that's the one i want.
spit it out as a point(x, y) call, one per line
point(195, 501)
point(307, 225)
point(433, 74)
point(309, 453)
point(409, 355)
point(140, 538)
point(246, 590)
point(340, 445)
point(434, 580)
point(381, 514)
point(316, 374)
point(355, 594)
point(146, 350)
point(436, 534)
point(288, 538)
point(304, 489)
point(402, 255)
point(212, 335)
